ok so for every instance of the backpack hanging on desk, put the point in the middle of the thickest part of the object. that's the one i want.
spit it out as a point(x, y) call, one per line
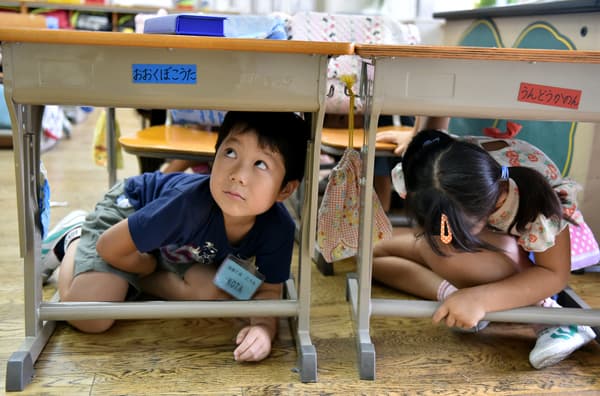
point(338, 218)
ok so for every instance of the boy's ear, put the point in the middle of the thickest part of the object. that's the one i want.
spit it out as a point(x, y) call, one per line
point(287, 190)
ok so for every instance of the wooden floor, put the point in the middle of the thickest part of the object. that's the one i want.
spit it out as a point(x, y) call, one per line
point(194, 356)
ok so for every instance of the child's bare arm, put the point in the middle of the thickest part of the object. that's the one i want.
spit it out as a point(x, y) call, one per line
point(548, 276)
point(402, 138)
point(254, 341)
point(117, 248)
point(440, 123)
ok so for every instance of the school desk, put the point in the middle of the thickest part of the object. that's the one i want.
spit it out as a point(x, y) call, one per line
point(465, 82)
point(155, 71)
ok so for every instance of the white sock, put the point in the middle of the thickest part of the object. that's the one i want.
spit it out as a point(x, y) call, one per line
point(548, 302)
point(444, 290)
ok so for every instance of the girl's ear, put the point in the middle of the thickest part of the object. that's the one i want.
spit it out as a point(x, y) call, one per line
point(287, 190)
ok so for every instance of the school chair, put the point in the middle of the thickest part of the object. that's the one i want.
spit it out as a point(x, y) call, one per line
point(171, 141)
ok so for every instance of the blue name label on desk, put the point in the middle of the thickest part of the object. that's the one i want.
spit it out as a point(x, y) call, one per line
point(152, 73)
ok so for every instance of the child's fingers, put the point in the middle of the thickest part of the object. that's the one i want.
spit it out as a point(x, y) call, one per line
point(451, 321)
point(443, 315)
point(440, 314)
point(238, 353)
point(385, 137)
point(244, 341)
point(241, 335)
point(254, 345)
point(251, 354)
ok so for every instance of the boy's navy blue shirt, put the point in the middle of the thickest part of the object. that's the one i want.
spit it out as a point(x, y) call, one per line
point(177, 213)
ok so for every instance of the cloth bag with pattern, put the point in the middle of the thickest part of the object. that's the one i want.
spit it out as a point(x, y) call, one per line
point(338, 220)
point(337, 226)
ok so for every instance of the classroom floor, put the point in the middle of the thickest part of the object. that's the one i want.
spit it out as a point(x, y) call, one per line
point(194, 356)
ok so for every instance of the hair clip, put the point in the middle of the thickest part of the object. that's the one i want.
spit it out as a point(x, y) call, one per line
point(430, 141)
point(445, 231)
point(504, 175)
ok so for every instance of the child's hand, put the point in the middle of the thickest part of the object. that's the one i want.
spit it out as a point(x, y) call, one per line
point(399, 138)
point(460, 309)
point(254, 344)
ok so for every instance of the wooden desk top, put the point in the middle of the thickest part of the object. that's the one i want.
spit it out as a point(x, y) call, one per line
point(52, 36)
point(477, 53)
point(171, 139)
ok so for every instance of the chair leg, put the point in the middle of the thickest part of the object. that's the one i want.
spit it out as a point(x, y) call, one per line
point(153, 117)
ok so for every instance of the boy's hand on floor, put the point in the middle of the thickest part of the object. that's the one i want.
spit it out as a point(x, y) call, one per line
point(254, 344)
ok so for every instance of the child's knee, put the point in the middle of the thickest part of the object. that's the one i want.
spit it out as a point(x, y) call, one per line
point(95, 286)
point(379, 249)
point(92, 326)
point(92, 287)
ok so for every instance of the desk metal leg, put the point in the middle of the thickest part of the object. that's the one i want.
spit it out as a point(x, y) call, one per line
point(361, 286)
point(307, 355)
point(364, 345)
point(111, 145)
point(568, 298)
point(19, 367)
point(26, 143)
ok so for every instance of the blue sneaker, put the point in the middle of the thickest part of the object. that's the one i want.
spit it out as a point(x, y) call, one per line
point(556, 343)
point(70, 226)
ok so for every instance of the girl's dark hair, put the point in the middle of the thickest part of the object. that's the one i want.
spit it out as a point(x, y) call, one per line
point(284, 132)
point(463, 181)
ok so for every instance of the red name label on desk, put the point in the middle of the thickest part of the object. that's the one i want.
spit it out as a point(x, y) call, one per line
point(549, 96)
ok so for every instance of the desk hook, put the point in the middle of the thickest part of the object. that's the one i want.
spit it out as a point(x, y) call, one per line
point(331, 91)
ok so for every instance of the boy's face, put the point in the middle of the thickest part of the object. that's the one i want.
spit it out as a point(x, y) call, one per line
point(246, 178)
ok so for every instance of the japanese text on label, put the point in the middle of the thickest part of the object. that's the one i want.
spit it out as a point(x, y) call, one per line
point(163, 73)
point(549, 96)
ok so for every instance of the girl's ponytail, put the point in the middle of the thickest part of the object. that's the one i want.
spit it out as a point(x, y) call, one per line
point(536, 197)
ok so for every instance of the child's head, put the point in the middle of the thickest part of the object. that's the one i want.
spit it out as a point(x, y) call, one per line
point(283, 132)
point(463, 181)
point(259, 160)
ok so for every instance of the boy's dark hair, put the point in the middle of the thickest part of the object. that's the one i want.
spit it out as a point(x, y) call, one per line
point(463, 181)
point(284, 132)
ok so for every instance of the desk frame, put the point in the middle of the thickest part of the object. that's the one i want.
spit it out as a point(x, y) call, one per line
point(449, 81)
point(95, 68)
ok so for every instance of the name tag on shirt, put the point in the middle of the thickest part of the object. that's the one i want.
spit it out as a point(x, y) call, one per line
point(238, 278)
